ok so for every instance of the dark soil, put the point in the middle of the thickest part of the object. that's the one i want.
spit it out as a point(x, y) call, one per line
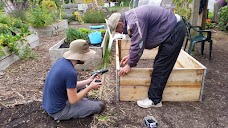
point(22, 83)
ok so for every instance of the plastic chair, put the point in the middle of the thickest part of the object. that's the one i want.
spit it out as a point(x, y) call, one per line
point(199, 37)
point(112, 36)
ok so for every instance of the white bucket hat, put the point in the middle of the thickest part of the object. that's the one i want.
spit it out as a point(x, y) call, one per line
point(79, 50)
point(113, 20)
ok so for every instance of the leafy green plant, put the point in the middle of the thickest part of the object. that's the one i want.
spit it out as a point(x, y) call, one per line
point(210, 15)
point(39, 17)
point(4, 19)
point(1, 6)
point(73, 34)
point(102, 31)
point(27, 53)
point(12, 33)
point(223, 18)
point(4, 29)
point(209, 24)
point(18, 14)
point(94, 16)
point(42, 15)
point(12, 25)
point(182, 7)
point(11, 42)
point(84, 30)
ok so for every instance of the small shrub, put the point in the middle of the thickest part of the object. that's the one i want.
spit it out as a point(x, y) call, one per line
point(73, 34)
point(94, 16)
point(4, 29)
point(223, 18)
point(1, 6)
point(4, 19)
point(84, 30)
point(78, 17)
point(18, 14)
point(209, 24)
point(210, 15)
point(43, 15)
point(27, 53)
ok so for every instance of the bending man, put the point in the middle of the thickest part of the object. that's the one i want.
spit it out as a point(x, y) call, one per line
point(149, 27)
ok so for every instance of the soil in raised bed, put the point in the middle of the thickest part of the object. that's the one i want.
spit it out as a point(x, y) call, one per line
point(66, 45)
point(144, 63)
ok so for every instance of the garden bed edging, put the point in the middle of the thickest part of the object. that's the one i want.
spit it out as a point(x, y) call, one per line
point(52, 29)
point(10, 58)
point(56, 52)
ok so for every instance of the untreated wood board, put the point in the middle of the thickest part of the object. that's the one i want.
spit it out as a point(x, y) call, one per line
point(142, 77)
point(134, 93)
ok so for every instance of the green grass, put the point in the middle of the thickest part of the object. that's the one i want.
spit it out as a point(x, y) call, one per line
point(106, 55)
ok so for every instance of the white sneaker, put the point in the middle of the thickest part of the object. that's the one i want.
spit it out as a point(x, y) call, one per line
point(147, 103)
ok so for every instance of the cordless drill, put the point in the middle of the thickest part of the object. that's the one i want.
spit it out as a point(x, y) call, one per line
point(102, 71)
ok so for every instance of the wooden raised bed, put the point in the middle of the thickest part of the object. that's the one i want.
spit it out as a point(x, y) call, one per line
point(56, 52)
point(9, 58)
point(185, 83)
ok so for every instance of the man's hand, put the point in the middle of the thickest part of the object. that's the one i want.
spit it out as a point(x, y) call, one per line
point(124, 70)
point(93, 77)
point(95, 85)
point(124, 60)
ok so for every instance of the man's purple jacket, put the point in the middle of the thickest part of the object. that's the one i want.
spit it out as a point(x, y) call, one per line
point(148, 26)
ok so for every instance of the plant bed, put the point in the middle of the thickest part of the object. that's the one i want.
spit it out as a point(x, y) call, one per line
point(56, 52)
point(52, 29)
point(10, 58)
point(185, 83)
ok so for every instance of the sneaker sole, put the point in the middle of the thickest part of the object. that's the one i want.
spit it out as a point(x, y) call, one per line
point(155, 106)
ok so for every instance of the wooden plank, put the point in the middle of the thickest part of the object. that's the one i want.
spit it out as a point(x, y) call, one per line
point(188, 61)
point(147, 54)
point(178, 65)
point(142, 77)
point(181, 94)
point(125, 44)
point(134, 93)
point(117, 56)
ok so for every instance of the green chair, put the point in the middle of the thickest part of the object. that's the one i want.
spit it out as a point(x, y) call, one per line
point(199, 37)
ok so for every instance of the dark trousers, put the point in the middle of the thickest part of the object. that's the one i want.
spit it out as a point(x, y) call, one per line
point(165, 60)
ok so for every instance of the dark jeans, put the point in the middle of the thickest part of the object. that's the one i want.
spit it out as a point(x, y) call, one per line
point(165, 60)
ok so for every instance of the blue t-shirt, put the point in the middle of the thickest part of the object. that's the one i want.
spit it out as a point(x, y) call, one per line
point(61, 76)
